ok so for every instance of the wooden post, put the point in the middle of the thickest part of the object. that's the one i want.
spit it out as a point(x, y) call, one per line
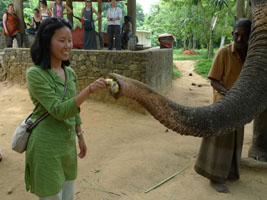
point(70, 16)
point(18, 6)
point(131, 11)
point(100, 20)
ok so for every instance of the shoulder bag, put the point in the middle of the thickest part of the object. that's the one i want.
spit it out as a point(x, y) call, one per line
point(23, 131)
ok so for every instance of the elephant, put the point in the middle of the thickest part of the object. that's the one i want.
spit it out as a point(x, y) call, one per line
point(244, 102)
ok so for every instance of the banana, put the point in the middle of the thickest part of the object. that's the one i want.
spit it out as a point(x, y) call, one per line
point(113, 85)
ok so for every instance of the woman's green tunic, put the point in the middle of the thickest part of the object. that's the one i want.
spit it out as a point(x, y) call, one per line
point(51, 156)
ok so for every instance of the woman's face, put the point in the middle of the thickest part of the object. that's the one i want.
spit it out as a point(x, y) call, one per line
point(88, 3)
point(42, 5)
point(61, 44)
point(36, 14)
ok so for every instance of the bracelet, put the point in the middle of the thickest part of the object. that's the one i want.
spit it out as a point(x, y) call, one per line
point(79, 133)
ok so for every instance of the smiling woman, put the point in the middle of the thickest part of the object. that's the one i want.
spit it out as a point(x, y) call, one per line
point(51, 158)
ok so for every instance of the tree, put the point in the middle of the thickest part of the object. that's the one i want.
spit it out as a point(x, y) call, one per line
point(140, 16)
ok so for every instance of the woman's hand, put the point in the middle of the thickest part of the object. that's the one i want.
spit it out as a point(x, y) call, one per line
point(82, 146)
point(97, 85)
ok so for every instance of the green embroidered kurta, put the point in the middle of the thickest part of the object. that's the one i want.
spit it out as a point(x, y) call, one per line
point(51, 156)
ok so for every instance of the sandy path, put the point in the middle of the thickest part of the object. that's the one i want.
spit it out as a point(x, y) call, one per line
point(128, 152)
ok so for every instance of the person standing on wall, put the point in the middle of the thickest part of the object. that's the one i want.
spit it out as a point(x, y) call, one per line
point(114, 16)
point(11, 27)
point(44, 12)
point(89, 34)
point(58, 8)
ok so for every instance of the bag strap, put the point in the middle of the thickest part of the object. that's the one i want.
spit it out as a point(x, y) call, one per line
point(31, 127)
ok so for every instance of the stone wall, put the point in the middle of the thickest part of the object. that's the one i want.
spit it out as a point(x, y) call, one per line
point(27, 41)
point(153, 67)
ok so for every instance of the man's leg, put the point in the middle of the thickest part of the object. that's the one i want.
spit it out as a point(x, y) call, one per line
point(110, 37)
point(9, 40)
point(117, 37)
point(68, 190)
point(19, 39)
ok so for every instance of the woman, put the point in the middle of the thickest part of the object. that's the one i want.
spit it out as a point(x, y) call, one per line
point(36, 21)
point(58, 8)
point(89, 37)
point(51, 157)
point(45, 13)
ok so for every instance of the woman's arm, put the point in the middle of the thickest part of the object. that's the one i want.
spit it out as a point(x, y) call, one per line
point(97, 14)
point(82, 14)
point(32, 25)
point(97, 85)
point(4, 23)
point(68, 9)
point(41, 90)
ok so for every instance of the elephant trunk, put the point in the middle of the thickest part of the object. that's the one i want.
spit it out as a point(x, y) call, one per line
point(246, 99)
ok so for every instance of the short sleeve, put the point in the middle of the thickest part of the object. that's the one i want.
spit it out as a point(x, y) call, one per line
point(217, 68)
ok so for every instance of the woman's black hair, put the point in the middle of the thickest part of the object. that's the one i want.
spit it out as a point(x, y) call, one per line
point(43, 2)
point(37, 10)
point(40, 49)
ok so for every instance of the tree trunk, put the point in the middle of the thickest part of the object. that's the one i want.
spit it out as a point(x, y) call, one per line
point(222, 41)
point(185, 43)
point(225, 26)
point(190, 44)
point(240, 9)
point(70, 16)
point(248, 11)
point(194, 44)
point(258, 148)
point(211, 45)
point(18, 6)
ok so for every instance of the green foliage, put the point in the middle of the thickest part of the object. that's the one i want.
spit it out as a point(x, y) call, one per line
point(191, 20)
point(176, 73)
point(3, 8)
point(203, 67)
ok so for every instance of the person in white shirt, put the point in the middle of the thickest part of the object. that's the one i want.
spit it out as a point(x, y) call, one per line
point(114, 16)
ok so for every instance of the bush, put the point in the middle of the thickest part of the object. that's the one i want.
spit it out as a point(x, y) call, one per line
point(203, 67)
point(176, 73)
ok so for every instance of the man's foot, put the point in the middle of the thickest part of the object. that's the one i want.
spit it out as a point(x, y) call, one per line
point(219, 187)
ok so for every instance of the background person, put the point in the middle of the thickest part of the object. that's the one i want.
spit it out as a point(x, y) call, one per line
point(44, 12)
point(58, 8)
point(36, 21)
point(114, 16)
point(219, 157)
point(89, 36)
point(126, 32)
point(11, 27)
point(51, 156)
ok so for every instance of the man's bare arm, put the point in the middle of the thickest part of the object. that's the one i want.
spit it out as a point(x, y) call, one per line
point(218, 86)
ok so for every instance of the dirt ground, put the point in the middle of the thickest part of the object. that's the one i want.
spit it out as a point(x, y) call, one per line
point(129, 152)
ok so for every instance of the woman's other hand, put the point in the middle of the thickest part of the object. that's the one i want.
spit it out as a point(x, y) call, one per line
point(82, 146)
